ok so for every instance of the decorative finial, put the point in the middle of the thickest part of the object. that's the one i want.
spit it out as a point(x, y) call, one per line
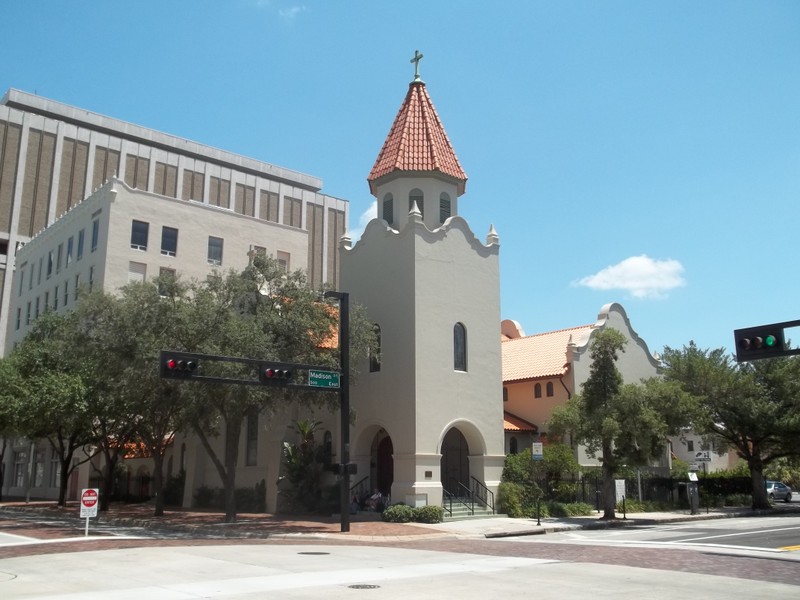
point(417, 57)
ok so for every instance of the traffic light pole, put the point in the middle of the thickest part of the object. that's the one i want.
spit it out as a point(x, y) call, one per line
point(344, 404)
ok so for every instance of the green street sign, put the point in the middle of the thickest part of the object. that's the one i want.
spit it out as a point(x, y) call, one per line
point(323, 379)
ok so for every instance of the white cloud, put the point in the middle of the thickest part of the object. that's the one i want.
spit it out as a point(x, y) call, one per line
point(641, 276)
point(291, 12)
point(366, 217)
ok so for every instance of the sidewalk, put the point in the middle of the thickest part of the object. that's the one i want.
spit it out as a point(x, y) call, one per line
point(363, 526)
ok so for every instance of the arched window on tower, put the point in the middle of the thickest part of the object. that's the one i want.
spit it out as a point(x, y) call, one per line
point(388, 209)
point(444, 207)
point(416, 196)
point(459, 347)
point(375, 353)
point(537, 390)
point(549, 389)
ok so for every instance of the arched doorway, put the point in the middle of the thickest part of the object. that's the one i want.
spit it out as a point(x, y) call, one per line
point(455, 462)
point(382, 463)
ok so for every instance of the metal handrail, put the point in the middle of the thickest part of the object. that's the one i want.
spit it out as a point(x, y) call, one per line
point(358, 486)
point(458, 499)
point(483, 494)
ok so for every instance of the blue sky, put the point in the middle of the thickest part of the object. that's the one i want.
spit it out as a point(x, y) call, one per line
point(646, 153)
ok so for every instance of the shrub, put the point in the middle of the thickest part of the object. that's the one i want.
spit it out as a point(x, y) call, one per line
point(570, 509)
point(428, 514)
point(398, 513)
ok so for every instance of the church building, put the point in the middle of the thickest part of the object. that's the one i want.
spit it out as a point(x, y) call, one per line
point(428, 417)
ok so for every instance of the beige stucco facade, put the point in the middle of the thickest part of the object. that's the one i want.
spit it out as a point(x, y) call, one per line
point(417, 285)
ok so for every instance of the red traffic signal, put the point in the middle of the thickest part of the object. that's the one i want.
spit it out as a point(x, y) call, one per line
point(275, 374)
point(178, 365)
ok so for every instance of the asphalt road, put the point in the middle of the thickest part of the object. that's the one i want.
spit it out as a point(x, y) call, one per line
point(778, 533)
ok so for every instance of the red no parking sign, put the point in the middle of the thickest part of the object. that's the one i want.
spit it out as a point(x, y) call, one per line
point(89, 498)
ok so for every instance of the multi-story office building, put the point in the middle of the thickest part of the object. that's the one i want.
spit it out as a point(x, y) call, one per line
point(52, 157)
point(118, 235)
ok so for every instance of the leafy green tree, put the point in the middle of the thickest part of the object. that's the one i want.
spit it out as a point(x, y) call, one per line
point(262, 313)
point(57, 400)
point(625, 424)
point(12, 391)
point(125, 333)
point(753, 408)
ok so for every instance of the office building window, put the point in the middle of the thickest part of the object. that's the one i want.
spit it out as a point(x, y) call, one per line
point(69, 250)
point(283, 259)
point(214, 250)
point(19, 317)
point(79, 253)
point(55, 299)
point(22, 281)
point(49, 264)
point(95, 234)
point(91, 278)
point(169, 241)
point(77, 285)
point(139, 231)
point(66, 291)
point(28, 314)
point(137, 272)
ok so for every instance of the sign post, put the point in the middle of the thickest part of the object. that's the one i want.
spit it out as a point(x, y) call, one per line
point(89, 500)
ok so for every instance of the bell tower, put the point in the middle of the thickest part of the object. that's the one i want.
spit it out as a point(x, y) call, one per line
point(432, 290)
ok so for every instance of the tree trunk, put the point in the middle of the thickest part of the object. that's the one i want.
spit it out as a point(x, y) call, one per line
point(158, 484)
point(108, 480)
point(233, 429)
point(760, 499)
point(609, 488)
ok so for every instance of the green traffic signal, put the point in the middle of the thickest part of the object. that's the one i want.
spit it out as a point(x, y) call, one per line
point(770, 341)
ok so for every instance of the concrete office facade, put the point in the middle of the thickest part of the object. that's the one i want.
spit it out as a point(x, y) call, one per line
point(53, 155)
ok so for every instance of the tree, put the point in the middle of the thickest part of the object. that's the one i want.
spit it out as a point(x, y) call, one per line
point(133, 407)
point(262, 313)
point(56, 404)
point(12, 390)
point(626, 424)
point(753, 408)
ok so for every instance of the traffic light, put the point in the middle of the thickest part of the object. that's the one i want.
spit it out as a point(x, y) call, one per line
point(273, 374)
point(754, 343)
point(176, 365)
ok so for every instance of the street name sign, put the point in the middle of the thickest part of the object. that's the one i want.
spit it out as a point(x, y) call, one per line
point(323, 379)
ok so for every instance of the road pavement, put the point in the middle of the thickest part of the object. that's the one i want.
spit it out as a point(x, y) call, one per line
point(463, 559)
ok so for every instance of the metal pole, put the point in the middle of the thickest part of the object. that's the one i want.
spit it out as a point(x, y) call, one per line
point(344, 401)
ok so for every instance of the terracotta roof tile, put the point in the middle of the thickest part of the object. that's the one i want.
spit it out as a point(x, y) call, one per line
point(417, 142)
point(515, 423)
point(540, 355)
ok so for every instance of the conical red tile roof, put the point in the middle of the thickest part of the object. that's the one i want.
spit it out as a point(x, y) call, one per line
point(417, 142)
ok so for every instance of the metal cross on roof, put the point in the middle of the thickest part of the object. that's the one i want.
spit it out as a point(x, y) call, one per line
point(417, 57)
